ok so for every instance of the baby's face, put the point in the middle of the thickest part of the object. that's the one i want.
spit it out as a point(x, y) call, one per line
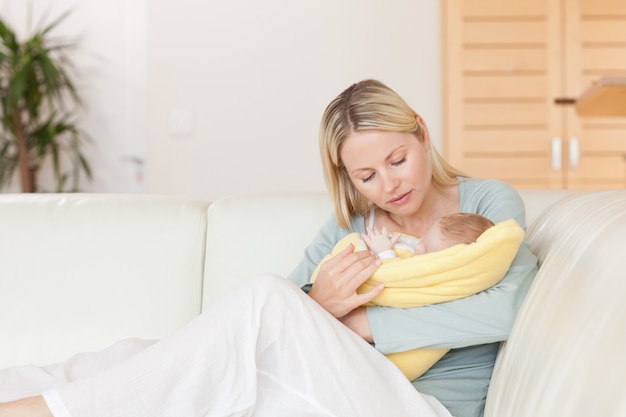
point(432, 241)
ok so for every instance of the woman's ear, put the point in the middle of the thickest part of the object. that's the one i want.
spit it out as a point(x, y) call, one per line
point(421, 122)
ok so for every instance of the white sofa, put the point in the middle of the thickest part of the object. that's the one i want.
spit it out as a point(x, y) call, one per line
point(80, 271)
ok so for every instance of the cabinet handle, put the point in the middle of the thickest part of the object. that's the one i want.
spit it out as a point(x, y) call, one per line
point(574, 154)
point(565, 101)
point(556, 154)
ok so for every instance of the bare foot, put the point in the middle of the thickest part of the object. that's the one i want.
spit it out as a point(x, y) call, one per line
point(26, 407)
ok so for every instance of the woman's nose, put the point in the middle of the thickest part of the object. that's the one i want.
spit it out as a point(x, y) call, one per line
point(390, 182)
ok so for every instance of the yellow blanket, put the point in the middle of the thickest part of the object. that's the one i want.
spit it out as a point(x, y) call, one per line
point(446, 275)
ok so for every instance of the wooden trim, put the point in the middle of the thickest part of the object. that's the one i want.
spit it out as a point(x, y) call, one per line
point(452, 97)
point(606, 97)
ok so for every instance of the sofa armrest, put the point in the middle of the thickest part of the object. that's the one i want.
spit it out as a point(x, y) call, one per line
point(565, 356)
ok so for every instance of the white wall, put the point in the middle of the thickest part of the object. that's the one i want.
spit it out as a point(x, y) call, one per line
point(225, 97)
point(255, 76)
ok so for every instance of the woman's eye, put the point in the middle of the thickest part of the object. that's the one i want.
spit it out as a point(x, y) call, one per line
point(368, 178)
point(399, 162)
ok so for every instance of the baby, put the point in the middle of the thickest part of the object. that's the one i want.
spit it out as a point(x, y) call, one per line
point(448, 231)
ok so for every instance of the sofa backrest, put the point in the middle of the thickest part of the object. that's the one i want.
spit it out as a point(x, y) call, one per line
point(78, 272)
point(565, 356)
point(255, 233)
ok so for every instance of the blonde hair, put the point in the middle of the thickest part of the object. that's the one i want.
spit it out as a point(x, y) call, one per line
point(368, 105)
point(463, 227)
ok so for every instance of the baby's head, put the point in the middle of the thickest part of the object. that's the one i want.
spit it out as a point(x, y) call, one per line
point(451, 230)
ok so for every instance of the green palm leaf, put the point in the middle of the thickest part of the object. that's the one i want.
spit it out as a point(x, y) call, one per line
point(37, 99)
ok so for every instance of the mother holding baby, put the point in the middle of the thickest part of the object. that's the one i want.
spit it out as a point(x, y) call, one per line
point(377, 156)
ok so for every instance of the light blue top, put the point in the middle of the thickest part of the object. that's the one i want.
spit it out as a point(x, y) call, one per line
point(471, 327)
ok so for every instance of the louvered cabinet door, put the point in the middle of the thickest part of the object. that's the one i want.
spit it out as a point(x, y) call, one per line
point(508, 84)
point(594, 147)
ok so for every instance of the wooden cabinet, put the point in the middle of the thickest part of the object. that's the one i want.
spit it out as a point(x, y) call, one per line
point(513, 70)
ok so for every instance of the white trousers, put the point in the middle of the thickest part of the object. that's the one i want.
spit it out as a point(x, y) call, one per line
point(267, 350)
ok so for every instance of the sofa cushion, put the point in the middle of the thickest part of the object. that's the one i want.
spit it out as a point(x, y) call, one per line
point(80, 271)
point(256, 233)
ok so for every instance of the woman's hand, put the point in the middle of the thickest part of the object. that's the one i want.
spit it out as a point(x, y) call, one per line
point(338, 279)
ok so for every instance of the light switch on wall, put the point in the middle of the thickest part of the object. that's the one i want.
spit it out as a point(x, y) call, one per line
point(180, 122)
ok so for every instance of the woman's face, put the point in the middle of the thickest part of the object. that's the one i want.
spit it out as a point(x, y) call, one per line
point(391, 169)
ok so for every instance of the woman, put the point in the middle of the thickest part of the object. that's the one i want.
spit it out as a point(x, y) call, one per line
point(377, 156)
point(269, 349)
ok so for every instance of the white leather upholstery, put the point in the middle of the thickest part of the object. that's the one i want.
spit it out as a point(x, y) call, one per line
point(78, 272)
point(565, 356)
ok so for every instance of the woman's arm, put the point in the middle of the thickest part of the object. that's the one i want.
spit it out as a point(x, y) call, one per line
point(357, 321)
point(486, 317)
point(482, 318)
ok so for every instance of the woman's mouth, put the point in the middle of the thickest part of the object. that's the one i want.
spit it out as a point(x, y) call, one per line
point(401, 199)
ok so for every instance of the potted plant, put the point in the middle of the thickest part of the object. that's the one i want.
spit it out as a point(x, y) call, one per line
point(38, 99)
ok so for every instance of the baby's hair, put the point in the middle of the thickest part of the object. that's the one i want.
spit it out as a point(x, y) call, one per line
point(463, 227)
